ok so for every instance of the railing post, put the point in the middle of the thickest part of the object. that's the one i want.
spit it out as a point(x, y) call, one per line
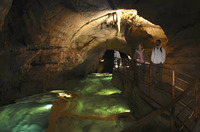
point(134, 70)
point(173, 84)
point(139, 72)
point(173, 108)
point(150, 83)
point(173, 119)
point(139, 75)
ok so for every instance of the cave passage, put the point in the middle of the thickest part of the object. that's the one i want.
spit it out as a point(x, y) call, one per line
point(94, 105)
point(51, 48)
point(106, 63)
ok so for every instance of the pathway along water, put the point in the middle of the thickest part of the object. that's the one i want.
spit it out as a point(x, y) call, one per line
point(96, 107)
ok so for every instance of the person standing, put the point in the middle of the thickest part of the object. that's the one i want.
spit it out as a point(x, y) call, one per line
point(142, 59)
point(158, 57)
point(117, 58)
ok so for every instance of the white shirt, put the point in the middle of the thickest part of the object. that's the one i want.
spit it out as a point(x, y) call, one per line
point(117, 54)
point(157, 56)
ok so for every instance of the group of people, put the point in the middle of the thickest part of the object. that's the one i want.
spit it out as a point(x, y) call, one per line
point(158, 57)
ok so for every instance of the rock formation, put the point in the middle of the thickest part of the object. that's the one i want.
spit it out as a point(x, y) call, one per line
point(44, 42)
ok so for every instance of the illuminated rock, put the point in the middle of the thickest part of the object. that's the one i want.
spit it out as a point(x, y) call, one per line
point(45, 42)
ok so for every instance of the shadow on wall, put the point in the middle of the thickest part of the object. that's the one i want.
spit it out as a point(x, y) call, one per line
point(88, 66)
point(106, 63)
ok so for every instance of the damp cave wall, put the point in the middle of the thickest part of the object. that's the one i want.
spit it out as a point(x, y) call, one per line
point(35, 46)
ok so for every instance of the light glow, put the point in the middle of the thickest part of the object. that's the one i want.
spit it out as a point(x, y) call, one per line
point(102, 74)
point(43, 108)
point(115, 18)
point(112, 110)
point(64, 95)
point(108, 91)
point(48, 106)
point(129, 57)
point(57, 91)
point(127, 110)
point(179, 88)
point(102, 60)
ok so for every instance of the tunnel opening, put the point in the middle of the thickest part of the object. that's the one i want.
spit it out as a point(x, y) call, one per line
point(107, 62)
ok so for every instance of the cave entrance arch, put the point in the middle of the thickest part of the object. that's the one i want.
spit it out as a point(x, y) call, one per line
point(120, 30)
point(106, 63)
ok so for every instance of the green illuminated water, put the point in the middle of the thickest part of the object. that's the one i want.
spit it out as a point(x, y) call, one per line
point(98, 99)
point(29, 115)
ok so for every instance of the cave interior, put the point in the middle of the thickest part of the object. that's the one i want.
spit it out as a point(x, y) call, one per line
point(57, 56)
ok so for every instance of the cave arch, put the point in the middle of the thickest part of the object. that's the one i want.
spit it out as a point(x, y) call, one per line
point(120, 30)
point(124, 25)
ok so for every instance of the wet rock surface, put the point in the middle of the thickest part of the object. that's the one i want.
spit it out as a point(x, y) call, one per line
point(45, 42)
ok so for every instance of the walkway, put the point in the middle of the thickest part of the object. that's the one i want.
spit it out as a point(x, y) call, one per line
point(176, 98)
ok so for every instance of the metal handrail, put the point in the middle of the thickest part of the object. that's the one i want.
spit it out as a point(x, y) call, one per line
point(158, 112)
point(132, 66)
